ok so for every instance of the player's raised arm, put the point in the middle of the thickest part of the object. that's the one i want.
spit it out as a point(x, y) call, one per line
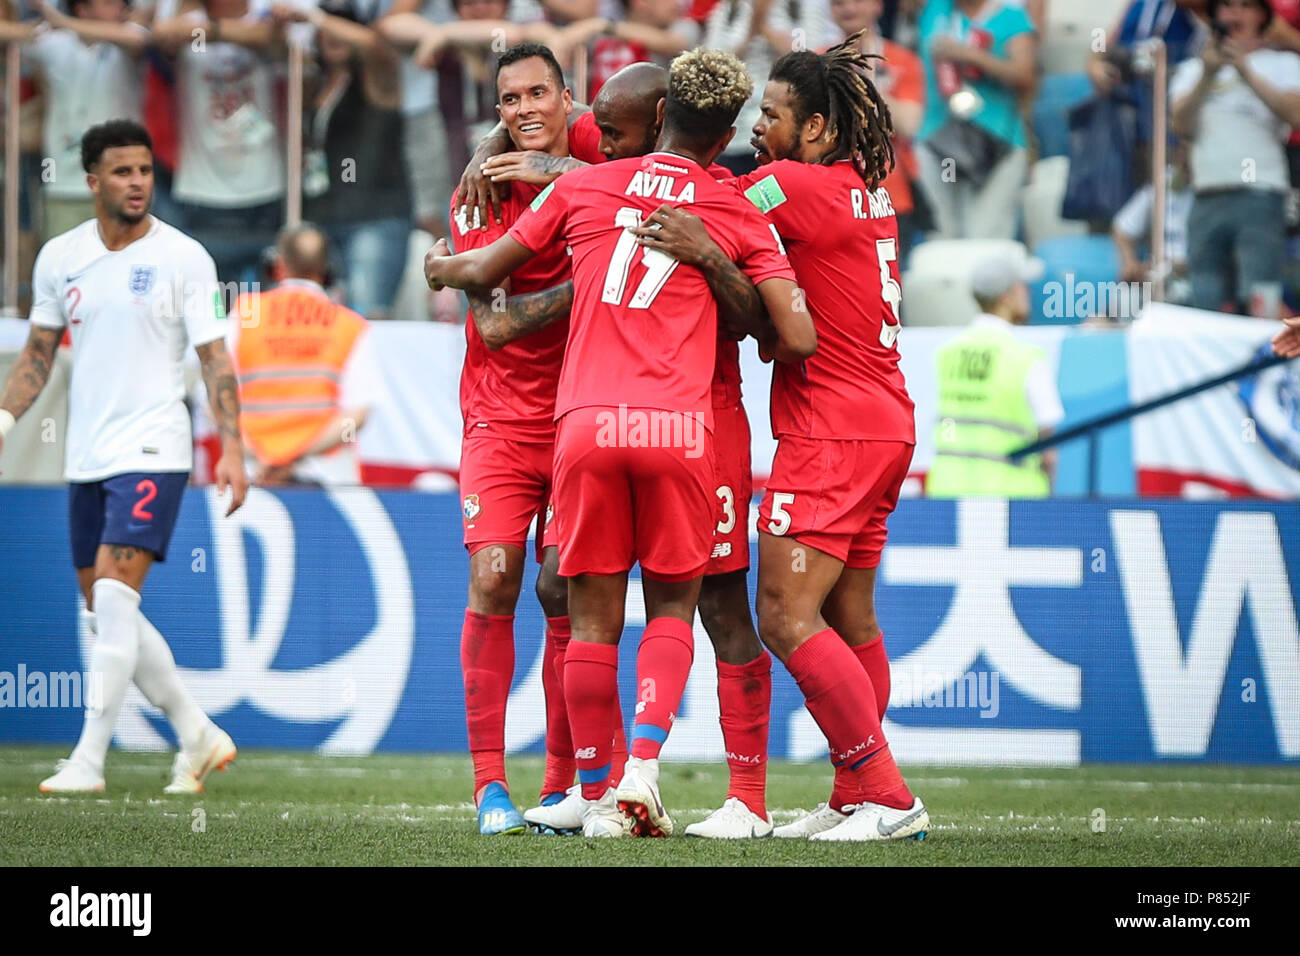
point(522, 316)
point(792, 337)
point(223, 393)
point(28, 376)
point(476, 269)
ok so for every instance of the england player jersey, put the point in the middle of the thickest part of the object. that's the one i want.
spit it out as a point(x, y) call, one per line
point(131, 314)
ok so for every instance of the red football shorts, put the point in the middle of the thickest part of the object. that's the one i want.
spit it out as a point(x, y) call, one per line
point(733, 485)
point(632, 484)
point(504, 484)
point(835, 495)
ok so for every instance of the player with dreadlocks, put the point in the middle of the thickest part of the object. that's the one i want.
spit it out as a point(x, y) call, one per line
point(843, 421)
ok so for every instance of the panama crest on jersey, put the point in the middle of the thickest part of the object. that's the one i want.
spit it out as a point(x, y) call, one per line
point(142, 279)
point(472, 509)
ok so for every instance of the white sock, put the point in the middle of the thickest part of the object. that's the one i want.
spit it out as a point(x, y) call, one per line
point(112, 662)
point(88, 616)
point(160, 682)
point(157, 678)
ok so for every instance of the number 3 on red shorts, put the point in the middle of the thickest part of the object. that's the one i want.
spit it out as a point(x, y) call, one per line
point(150, 490)
point(780, 522)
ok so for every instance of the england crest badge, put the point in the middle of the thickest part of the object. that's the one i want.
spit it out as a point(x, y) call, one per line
point(142, 279)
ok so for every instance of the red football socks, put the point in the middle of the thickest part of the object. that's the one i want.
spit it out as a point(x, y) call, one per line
point(618, 760)
point(560, 765)
point(875, 662)
point(745, 709)
point(487, 664)
point(591, 692)
point(841, 700)
point(663, 662)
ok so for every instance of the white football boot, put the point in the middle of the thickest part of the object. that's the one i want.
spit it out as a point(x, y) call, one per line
point(819, 821)
point(72, 776)
point(638, 798)
point(191, 767)
point(602, 818)
point(732, 821)
point(562, 818)
point(871, 821)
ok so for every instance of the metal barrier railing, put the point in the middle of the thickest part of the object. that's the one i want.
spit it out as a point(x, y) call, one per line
point(12, 177)
point(1092, 428)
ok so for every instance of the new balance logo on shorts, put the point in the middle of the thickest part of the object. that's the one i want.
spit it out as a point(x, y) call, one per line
point(721, 550)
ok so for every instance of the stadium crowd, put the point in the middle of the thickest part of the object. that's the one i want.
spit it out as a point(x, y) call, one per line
point(996, 106)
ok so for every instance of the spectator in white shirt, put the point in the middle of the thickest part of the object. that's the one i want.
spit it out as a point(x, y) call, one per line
point(91, 71)
point(230, 176)
point(1235, 103)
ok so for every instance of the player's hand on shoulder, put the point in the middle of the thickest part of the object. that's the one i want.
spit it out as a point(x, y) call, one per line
point(677, 233)
point(432, 271)
point(528, 166)
point(478, 199)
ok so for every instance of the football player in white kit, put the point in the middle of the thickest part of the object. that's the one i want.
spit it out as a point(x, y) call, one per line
point(133, 291)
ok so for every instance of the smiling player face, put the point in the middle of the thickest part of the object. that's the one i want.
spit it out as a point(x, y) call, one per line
point(123, 182)
point(532, 105)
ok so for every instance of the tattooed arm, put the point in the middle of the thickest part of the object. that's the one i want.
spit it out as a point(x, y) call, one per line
point(682, 235)
point(476, 191)
point(483, 268)
point(29, 374)
point(500, 323)
point(223, 393)
point(529, 166)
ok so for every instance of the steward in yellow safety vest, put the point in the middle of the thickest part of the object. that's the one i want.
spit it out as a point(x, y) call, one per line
point(996, 394)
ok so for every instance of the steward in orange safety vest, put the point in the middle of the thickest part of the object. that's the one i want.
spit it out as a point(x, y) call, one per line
point(293, 346)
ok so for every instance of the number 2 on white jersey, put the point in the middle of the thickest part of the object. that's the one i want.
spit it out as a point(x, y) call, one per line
point(658, 266)
point(890, 290)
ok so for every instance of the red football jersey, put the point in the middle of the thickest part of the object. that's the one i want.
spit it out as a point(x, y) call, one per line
point(584, 139)
point(843, 244)
point(511, 392)
point(584, 143)
point(644, 327)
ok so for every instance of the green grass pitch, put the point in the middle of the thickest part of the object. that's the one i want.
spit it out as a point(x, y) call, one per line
point(304, 810)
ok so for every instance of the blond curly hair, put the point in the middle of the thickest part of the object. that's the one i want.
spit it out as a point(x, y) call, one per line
point(709, 81)
point(706, 89)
